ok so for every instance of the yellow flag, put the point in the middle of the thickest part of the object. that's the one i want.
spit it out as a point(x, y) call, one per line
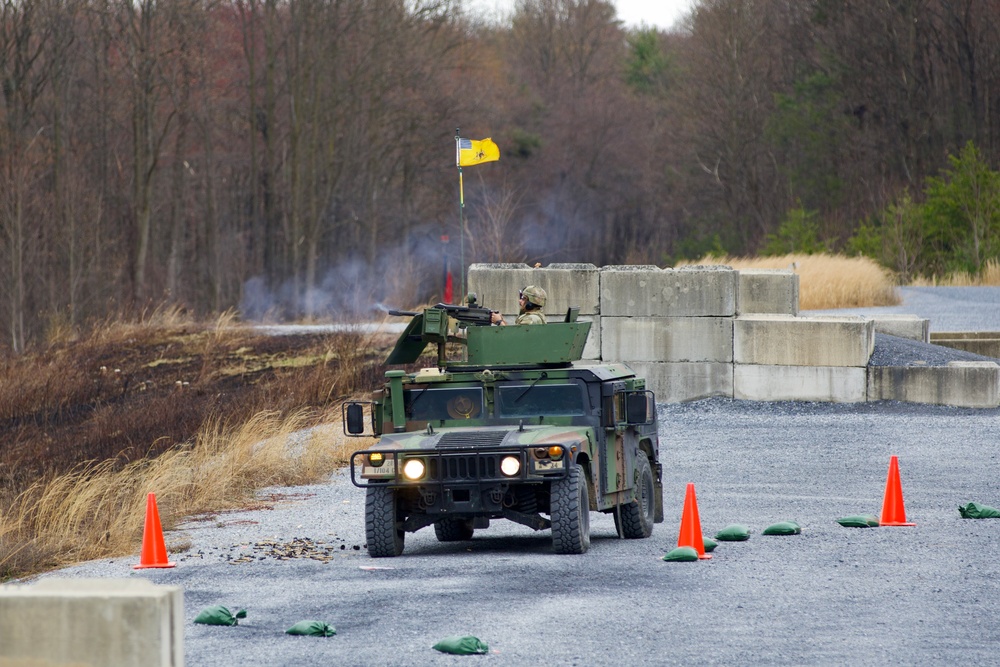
point(471, 152)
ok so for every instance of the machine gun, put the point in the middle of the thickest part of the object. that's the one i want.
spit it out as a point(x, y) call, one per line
point(473, 313)
point(431, 326)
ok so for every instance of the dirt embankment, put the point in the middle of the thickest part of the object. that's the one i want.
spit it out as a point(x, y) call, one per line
point(136, 392)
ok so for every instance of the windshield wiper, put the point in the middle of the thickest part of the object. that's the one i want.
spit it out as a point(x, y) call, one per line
point(416, 398)
point(531, 386)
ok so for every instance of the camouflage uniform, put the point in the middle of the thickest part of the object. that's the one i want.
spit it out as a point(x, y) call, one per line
point(531, 317)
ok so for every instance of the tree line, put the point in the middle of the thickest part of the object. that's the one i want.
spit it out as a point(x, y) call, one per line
point(295, 158)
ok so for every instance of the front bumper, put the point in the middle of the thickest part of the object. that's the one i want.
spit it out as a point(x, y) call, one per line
point(445, 468)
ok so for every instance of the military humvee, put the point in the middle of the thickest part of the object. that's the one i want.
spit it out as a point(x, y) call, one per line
point(518, 429)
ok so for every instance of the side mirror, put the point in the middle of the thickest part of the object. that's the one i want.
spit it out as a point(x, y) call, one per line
point(637, 407)
point(354, 418)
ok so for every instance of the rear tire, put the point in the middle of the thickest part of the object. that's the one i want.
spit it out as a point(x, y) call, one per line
point(638, 515)
point(453, 530)
point(571, 513)
point(383, 523)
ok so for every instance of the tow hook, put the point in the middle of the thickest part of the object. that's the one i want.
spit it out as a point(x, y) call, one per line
point(427, 498)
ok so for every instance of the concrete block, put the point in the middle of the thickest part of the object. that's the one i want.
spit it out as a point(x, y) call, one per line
point(667, 338)
point(768, 291)
point(93, 622)
point(799, 383)
point(803, 341)
point(968, 384)
point(592, 350)
point(904, 326)
point(986, 343)
point(678, 382)
point(566, 285)
point(647, 291)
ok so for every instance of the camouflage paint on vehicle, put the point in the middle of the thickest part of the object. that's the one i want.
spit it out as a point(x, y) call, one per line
point(518, 430)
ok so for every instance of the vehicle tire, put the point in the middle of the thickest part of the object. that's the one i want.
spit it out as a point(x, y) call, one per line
point(638, 515)
point(570, 513)
point(383, 523)
point(453, 530)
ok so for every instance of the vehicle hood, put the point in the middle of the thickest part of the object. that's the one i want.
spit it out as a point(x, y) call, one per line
point(487, 437)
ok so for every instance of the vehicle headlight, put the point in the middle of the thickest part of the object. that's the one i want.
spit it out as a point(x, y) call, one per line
point(413, 469)
point(376, 459)
point(510, 465)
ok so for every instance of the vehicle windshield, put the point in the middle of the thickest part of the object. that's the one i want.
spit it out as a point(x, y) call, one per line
point(428, 403)
point(527, 400)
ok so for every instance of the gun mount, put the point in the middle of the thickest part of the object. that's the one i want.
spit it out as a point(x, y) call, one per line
point(557, 343)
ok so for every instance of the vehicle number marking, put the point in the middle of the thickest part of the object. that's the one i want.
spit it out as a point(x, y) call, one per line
point(387, 469)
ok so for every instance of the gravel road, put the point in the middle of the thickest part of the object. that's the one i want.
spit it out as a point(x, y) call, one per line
point(928, 594)
point(947, 308)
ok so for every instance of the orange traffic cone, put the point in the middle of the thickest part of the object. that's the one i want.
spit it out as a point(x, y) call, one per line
point(690, 535)
point(893, 513)
point(154, 551)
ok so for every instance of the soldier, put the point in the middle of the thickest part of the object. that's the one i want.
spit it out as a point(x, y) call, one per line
point(531, 300)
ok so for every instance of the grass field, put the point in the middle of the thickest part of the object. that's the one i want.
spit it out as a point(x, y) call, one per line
point(990, 276)
point(200, 415)
point(826, 281)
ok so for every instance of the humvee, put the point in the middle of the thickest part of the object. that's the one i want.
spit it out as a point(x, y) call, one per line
point(519, 429)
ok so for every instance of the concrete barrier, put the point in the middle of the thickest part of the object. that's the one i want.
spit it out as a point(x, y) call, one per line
point(667, 339)
point(566, 285)
point(92, 622)
point(702, 331)
point(800, 383)
point(903, 326)
point(648, 291)
point(803, 341)
point(679, 382)
point(968, 384)
point(986, 343)
point(768, 291)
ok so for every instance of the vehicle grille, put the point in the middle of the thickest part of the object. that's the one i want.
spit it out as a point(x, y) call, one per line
point(469, 467)
point(472, 439)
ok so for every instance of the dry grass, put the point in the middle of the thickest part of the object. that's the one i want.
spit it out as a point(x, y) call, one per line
point(826, 281)
point(94, 421)
point(98, 510)
point(990, 277)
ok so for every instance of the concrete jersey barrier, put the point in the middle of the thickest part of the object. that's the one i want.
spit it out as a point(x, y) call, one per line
point(701, 331)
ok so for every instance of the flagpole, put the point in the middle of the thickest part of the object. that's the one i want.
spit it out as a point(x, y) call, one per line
point(461, 216)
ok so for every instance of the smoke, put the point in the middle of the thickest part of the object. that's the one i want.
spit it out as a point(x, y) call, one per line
point(353, 288)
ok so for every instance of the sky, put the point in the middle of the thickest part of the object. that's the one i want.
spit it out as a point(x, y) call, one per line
point(656, 13)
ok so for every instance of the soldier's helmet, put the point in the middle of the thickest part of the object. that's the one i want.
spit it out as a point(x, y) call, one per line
point(534, 295)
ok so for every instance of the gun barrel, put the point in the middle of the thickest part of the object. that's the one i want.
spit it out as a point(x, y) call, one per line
point(402, 313)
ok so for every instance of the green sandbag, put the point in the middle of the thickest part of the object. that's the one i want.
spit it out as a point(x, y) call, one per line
point(219, 615)
point(710, 544)
point(783, 528)
point(312, 629)
point(859, 521)
point(467, 645)
point(681, 555)
point(734, 532)
point(976, 511)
